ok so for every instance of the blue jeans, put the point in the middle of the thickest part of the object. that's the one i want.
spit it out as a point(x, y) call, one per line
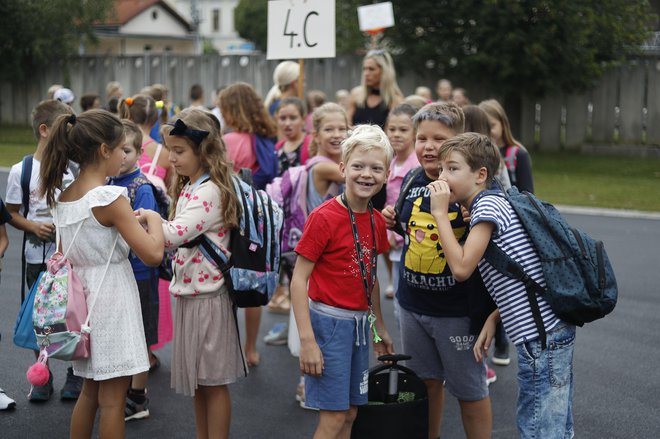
point(545, 381)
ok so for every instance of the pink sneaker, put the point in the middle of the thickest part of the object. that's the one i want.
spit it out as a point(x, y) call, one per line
point(491, 376)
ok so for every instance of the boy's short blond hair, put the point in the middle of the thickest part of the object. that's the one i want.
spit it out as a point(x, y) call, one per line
point(131, 129)
point(477, 150)
point(367, 138)
point(447, 113)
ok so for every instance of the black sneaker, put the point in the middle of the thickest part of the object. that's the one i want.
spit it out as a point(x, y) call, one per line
point(134, 410)
point(72, 386)
point(42, 393)
point(501, 355)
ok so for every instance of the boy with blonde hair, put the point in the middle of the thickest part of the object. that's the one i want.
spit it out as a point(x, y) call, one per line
point(545, 377)
point(340, 309)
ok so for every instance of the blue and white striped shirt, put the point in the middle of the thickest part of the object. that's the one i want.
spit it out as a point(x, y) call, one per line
point(509, 294)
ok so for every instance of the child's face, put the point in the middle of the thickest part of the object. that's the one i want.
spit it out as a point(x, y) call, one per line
point(400, 131)
point(290, 121)
point(365, 173)
point(130, 155)
point(183, 157)
point(332, 131)
point(115, 160)
point(463, 183)
point(431, 134)
point(495, 131)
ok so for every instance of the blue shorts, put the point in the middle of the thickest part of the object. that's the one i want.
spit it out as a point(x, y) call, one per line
point(342, 337)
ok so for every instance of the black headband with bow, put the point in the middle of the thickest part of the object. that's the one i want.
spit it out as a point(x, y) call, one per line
point(181, 129)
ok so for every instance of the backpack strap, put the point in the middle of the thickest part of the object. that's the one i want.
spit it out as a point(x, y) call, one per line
point(511, 161)
point(94, 294)
point(26, 176)
point(503, 263)
point(405, 188)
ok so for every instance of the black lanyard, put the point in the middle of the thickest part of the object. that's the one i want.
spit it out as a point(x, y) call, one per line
point(367, 281)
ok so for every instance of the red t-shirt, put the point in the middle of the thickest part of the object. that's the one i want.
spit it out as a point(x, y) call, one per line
point(327, 240)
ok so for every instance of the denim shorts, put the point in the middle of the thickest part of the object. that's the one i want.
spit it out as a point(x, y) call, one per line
point(441, 350)
point(545, 381)
point(342, 337)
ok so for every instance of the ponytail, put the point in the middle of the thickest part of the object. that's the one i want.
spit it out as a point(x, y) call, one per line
point(76, 138)
point(55, 158)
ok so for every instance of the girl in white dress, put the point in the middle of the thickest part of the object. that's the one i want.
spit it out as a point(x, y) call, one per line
point(107, 228)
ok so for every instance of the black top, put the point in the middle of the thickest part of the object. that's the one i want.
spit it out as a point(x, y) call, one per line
point(374, 115)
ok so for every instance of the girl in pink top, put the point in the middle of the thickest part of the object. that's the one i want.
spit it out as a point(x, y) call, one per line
point(401, 133)
point(246, 116)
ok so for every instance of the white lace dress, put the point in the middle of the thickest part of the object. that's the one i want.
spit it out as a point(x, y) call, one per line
point(117, 341)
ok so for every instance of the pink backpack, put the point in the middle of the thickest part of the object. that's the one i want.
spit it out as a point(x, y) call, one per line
point(61, 315)
point(290, 192)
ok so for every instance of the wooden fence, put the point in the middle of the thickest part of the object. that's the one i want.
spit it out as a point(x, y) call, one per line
point(621, 113)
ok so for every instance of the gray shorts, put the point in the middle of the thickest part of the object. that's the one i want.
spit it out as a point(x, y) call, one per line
point(441, 349)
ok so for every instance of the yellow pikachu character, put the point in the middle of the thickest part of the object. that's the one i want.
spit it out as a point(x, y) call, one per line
point(425, 254)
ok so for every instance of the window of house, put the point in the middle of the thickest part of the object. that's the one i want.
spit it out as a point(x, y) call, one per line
point(216, 20)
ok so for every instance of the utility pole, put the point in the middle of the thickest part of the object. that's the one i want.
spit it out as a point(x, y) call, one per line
point(194, 15)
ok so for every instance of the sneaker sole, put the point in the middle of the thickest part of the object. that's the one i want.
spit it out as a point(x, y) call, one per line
point(490, 381)
point(139, 415)
point(276, 342)
point(501, 361)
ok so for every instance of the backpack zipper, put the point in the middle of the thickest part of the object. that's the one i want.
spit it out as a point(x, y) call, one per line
point(580, 243)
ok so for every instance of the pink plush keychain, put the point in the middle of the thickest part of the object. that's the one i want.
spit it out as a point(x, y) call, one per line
point(38, 373)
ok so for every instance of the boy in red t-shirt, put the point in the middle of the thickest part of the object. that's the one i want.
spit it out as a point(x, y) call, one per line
point(334, 290)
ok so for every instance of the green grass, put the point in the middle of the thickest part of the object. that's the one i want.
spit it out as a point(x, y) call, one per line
point(598, 181)
point(561, 178)
point(15, 143)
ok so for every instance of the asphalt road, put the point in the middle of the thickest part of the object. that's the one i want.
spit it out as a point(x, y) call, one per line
point(616, 363)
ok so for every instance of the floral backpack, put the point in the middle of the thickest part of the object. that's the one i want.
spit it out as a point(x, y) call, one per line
point(60, 315)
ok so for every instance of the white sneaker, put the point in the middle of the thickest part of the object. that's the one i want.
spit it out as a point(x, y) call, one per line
point(6, 402)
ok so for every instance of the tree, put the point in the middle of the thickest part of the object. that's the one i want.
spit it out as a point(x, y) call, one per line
point(35, 33)
point(251, 21)
point(530, 47)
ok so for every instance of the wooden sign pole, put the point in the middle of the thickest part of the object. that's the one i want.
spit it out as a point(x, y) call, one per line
point(301, 79)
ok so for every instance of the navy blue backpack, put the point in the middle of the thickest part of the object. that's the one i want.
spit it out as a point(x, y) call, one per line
point(580, 282)
point(264, 149)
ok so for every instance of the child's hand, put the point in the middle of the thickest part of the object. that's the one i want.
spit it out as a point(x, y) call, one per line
point(466, 215)
point(390, 216)
point(385, 346)
point(311, 358)
point(143, 215)
point(44, 231)
point(484, 340)
point(439, 197)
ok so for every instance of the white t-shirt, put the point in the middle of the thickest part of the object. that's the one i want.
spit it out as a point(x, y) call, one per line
point(36, 250)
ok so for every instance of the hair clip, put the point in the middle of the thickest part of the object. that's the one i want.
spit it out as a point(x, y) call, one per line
point(72, 119)
point(129, 101)
point(160, 105)
point(181, 129)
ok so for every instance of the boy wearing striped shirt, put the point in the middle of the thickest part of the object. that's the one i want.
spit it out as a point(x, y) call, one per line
point(545, 376)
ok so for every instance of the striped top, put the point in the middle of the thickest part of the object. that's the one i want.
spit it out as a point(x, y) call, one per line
point(509, 294)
